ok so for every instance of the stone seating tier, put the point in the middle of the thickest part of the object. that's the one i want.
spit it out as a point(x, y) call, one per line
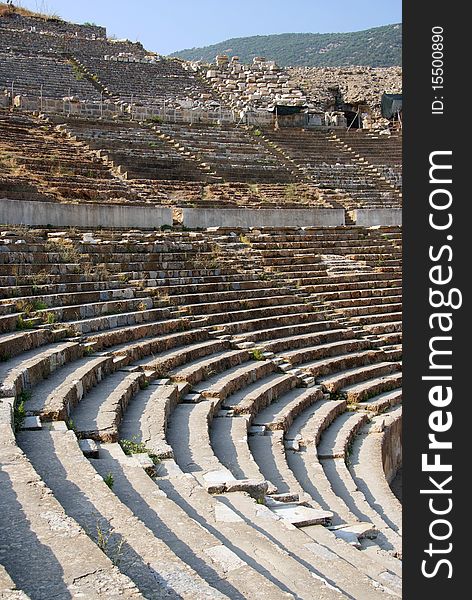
point(227, 375)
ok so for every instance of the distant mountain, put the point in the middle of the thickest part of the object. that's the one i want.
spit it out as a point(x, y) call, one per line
point(378, 47)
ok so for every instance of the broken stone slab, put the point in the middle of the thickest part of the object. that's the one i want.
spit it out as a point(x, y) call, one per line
point(298, 515)
point(361, 530)
point(282, 498)
point(293, 445)
point(257, 430)
point(90, 448)
point(296, 372)
point(144, 461)
point(160, 382)
point(349, 537)
point(31, 424)
point(255, 488)
point(223, 413)
point(194, 398)
point(245, 345)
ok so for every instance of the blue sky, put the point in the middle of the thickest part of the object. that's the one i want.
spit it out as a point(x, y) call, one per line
point(166, 26)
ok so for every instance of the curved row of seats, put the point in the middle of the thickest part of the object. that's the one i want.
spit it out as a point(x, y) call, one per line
point(330, 163)
point(243, 403)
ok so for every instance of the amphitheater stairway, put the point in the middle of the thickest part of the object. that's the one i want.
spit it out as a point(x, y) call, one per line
point(332, 165)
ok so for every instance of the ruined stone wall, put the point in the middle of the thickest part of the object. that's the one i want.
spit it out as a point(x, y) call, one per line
point(331, 86)
point(259, 86)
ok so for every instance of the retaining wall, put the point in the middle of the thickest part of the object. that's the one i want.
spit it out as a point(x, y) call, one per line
point(195, 218)
point(369, 217)
point(24, 212)
point(392, 449)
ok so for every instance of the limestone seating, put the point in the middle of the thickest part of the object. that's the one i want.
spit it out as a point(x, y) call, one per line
point(106, 396)
point(157, 83)
point(193, 411)
point(385, 154)
point(87, 499)
point(56, 167)
point(41, 524)
point(331, 431)
point(200, 547)
point(229, 152)
point(212, 474)
point(331, 166)
point(50, 76)
point(26, 369)
point(333, 453)
point(366, 466)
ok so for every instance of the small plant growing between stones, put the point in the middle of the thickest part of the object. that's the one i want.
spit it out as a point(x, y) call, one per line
point(144, 384)
point(142, 306)
point(71, 425)
point(22, 324)
point(49, 318)
point(29, 308)
point(19, 415)
point(245, 240)
point(257, 354)
point(108, 542)
point(88, 350)
point(65, 249)
point(132, 446)
point(109, 480)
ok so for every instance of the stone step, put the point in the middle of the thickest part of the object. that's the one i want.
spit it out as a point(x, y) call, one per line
point(44, 550)
point(277, 335)
point(99, 413)
point(198, 370)
point(54, 398)
point(333, 452)
point(13, 344)
point(269, 454)
point(367, 468)
point(87, 499)
point(146, 418)
point(366, 390)
point(93, 325)
point(163, 362)
point(337, 381)
point(202, 548)
point(153, 345)
point(254, 398)
point(325, 358)
point(236, 517)
point(229, 440)
point(305, 464)
point(26, 369)
point(383, 401)
point(231, 380)
point(336, 439)
point(280, 414)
